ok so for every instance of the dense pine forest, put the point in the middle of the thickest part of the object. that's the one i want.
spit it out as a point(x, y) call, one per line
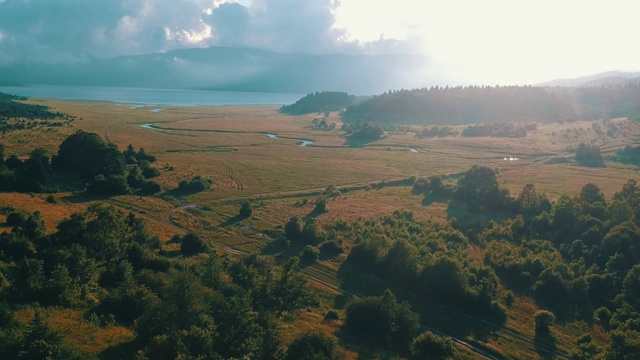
point(499, 104)
point(320, 102)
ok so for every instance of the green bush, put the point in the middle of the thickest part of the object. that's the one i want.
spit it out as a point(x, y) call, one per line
point(309, 255)
point(431, 346)
point(314, 346)
point(544, 319)
point(192, 244)
point(196, 184)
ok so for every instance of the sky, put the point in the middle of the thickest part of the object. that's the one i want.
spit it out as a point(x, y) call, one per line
point(464, 42)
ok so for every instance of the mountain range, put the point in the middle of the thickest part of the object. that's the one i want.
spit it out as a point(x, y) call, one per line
point(601, 79)
point(232, 69)
point(256, 70)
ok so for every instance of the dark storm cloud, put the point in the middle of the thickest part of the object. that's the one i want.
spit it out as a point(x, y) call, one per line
point(72, 30)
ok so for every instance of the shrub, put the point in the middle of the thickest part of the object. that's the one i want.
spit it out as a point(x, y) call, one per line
point(544, 319)
point(110, 185)
point(431, 346)
point(135, 179)
point(246, 210)
point(150, 172)
point(196, 184)
point(309, 255)
point(330, 248)
point(293, 228)
point(321, 206)
point(192, 245)
point(589, 155)
point(381, 320)
point(150, 187)
point(603, 315)
point(331, 315)
point(314, 346)
point(15, 219)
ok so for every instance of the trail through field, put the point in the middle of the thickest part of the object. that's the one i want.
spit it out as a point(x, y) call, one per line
point(229, 172)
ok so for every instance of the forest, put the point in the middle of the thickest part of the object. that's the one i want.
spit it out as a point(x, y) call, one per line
point(15, 115)
point(499, 104)
point(575, 257)
point(109, 265)
point(320, 102)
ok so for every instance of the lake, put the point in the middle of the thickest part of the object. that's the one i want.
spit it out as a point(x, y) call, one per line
point(170, 97)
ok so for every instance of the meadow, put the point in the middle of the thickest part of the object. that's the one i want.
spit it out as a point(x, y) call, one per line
point(282, 179)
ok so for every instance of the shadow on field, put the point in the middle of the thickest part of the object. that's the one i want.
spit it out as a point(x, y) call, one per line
point(434, 198)
point(232, 221)
point(314, 214)
point(545, 345)
point(432, 314)
point(124, 351)
point(81, 197)
point(356, 143)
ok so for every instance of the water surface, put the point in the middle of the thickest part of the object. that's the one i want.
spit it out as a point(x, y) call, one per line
point(172, 97)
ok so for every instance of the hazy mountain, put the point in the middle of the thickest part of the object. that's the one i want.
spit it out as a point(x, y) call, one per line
point(605, 78)
point(240, 69)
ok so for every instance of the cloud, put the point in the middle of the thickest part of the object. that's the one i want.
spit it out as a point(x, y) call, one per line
point(74, 30)
point(42, 30)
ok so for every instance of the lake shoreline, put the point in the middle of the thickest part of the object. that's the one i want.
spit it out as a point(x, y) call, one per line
point(150, 97)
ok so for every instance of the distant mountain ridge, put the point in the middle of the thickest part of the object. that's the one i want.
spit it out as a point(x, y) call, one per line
point(234, 69)
point(605, 78)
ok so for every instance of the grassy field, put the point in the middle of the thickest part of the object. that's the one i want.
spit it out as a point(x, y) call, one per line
point(229, 144)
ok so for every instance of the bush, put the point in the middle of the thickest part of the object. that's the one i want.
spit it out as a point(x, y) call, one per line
point(431, 346)
point(381, 320)
point(603, 315)
point(314, 346)
point(150, 187)
point(309, 254)
point(321, 206)
point(192, 245)
point(15, 219)
point(150, 172)
point(330, 248)
point(110, 185)
point(135, 179)
point(544, 319)
point(589, 156)
point(331, 315)
point(293, 228)
point(246, 210)
point(196, 184)
point(311, 233)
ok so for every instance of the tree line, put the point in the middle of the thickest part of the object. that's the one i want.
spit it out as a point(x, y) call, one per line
point(16, 115)
point(499, 104)
point(105, 169)
point(320, 102)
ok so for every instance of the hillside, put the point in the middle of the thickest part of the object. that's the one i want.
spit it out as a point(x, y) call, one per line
point(232, 69)
point(320, 102)
point(605, 78)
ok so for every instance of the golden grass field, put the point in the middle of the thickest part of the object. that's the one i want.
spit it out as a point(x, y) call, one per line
point(229, 144)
